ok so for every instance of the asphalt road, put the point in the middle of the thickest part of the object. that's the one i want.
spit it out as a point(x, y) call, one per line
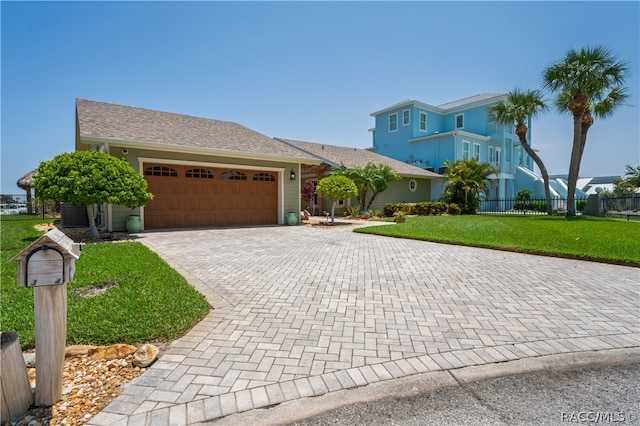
point(608, 394)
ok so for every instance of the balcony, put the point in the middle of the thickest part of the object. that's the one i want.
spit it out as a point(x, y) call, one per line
point(507, 168)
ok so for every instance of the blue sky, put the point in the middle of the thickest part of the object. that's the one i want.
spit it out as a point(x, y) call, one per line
point(312, 71)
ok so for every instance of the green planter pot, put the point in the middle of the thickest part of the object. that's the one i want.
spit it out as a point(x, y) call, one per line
point(134, 224)
point(292, 218)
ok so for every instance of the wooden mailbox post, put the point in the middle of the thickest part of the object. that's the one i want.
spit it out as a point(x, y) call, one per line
point(47, 265)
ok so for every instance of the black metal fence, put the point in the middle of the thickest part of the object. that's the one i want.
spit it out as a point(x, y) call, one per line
point(621, 206)
point(17, 207)
point(530, 206)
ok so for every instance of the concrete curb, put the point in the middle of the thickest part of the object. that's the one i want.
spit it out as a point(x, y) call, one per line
point(303, 408)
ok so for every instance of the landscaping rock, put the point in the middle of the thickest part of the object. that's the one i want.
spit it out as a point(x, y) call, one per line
point(112, 352)
point(77, 350)
point(146, 355)
point(29, 359)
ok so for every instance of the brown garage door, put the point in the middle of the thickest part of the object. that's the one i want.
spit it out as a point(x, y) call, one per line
point(194, 196)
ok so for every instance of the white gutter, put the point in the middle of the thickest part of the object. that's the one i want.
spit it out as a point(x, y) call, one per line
point(451, 133)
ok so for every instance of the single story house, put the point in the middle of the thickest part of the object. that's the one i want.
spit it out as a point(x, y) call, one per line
point(202, 172)
point(416, 185)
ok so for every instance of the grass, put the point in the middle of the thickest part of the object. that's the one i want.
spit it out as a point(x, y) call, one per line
point(150, 303)
point(582, 237)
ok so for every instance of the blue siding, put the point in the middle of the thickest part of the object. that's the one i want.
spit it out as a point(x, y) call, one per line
point(435, 150)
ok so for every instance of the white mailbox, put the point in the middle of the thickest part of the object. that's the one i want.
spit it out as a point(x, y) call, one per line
point(50, 260)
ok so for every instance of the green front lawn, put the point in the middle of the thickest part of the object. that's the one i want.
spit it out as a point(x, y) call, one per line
point(583, 237)
point(151, 302)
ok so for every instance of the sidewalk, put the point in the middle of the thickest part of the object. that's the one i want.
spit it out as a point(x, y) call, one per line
point(305, 311)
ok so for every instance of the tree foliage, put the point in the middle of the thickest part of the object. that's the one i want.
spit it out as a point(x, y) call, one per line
point(370, 179)
point(90, 177)
point(519, 107)
point(336, 188)
point(308, 192)
point(589, 83)
point(466, 181)
point(630, 184)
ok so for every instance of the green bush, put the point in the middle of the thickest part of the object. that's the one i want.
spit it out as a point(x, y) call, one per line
point(399, 217)
point(425, 208)
point(354, 211)
point(581, 204)
point(536, 205)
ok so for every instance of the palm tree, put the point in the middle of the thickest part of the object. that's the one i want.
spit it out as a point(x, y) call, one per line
point(383, 176)
point(519, 107)
point(589, 83)
point(372, 177)
point(467, 180)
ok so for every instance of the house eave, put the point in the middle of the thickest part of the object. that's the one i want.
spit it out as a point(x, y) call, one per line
point(195, 150)
point(406, 104)
point(450, 133)
point(464, 107)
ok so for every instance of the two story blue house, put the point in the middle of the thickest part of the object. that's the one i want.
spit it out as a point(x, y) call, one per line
point(426, 136)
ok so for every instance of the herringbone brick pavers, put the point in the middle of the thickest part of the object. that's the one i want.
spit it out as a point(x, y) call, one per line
point(302, 311)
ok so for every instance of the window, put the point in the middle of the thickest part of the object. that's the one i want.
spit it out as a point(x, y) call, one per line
point(423, 121)
point(465, 150)
point(264, 177)
point(199, 173)
point(406, 117)
point(234, 175)
point(476, 151)
point(459, 121)
point(413, 185)
point(160, 171)
point(490, 155)
point(498, 155)
point(393, 122)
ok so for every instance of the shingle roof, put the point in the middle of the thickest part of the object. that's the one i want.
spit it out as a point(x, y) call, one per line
point(469, 100)
point(104, 121)
point(444, 108)
point(351, 157)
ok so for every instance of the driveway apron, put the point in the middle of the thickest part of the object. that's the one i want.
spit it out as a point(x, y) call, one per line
point(301, 311)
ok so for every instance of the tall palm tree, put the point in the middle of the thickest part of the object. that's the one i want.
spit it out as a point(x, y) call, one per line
point(589, 82)
point(466, 181)
point(519, 107)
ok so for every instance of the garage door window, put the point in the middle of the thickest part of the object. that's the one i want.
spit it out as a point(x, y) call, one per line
point(160, 171)
point(199, 173)
point(264, 177)
point(234, 175)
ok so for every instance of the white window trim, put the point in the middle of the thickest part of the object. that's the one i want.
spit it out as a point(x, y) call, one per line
point(415, 185)
point(456, 121)
point(391, 115)
point(408, 112)
point(468, 145)
point(473, 153)
point(422, 113)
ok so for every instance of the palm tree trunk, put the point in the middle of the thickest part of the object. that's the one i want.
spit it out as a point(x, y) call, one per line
point(543, 171)
point(373, 197)
point(574, 164)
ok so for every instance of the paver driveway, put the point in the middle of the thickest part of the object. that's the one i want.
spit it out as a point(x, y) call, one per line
point(302, 311)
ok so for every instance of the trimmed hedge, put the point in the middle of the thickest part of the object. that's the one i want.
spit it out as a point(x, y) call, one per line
point(426, 208)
